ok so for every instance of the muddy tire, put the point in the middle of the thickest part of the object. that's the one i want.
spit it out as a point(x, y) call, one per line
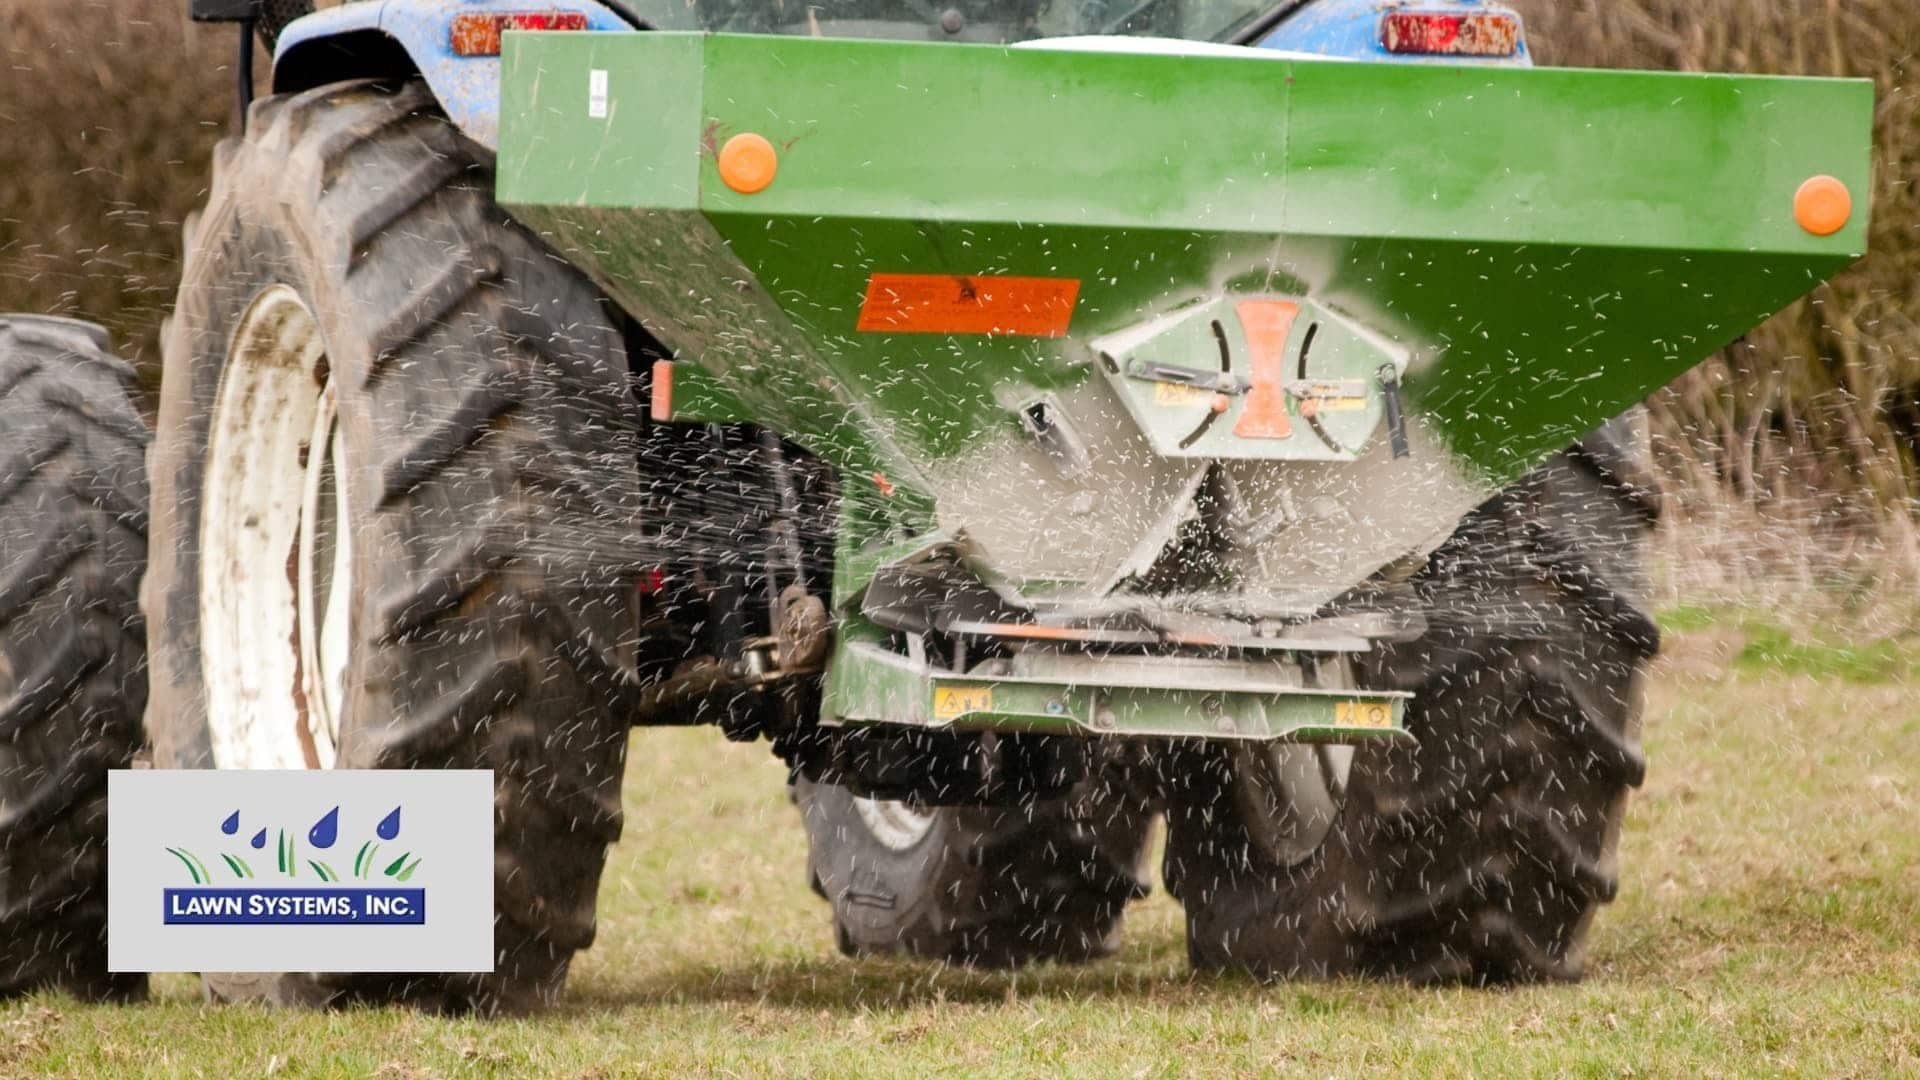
point(990, 886)
point(1482, 854)
point(355, 303)
point(73, 543)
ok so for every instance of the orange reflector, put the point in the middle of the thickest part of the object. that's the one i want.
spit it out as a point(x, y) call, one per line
point(1266, 324)
point(479, 35)
point(1822, 205)
point(968, 304)
point(1422, 33)
point(747, 163)
point(662, 404)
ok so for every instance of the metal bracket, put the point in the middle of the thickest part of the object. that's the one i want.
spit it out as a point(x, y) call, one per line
point(699, 691)
point(1389, 377)
point(1138, 697)
point(224, 10)
point(1217, 381)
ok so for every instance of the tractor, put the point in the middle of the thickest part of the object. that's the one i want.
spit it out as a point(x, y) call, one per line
point(1035, 421)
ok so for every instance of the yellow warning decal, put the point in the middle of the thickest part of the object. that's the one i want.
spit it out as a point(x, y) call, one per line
point(1328, 395)
point(1367, 714)
point(952, 701)
point(1179, 394)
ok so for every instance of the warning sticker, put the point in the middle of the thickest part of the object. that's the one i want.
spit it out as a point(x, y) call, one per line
point(968, 304)
point(596, 94)
point(1367, 714)
point(952, 701)
point(1328, 395)
point(1174, 395)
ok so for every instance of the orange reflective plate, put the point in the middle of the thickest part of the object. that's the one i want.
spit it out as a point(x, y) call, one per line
point(972, 304)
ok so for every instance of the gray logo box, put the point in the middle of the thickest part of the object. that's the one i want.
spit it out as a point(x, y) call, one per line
point(443, 841)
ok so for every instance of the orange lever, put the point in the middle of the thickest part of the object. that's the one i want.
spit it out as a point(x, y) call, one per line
point(1266, 324)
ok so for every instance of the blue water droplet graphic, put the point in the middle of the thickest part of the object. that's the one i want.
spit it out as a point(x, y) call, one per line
point(389, 826)
point(326, 830)
point(259, 839)
point(232, 824)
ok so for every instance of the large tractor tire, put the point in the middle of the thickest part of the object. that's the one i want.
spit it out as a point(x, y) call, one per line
point(73, 543)
point(1481, 854)
point(394, 441)
point(990, 886)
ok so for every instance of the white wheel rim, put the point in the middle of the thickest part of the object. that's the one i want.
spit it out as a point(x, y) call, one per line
point(326, 580)
point(274, 547)
point(1291, 793)
point(895, 824)
point(1288, 803)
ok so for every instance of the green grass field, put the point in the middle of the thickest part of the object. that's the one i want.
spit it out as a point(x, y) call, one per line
point(1769, 923)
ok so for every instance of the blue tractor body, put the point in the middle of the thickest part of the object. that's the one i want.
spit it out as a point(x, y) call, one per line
point(374, 37)
point(1353, 30)
point(324, 47)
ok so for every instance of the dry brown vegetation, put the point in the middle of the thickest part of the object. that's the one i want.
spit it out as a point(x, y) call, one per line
point(1791, 455)
point(109, 109)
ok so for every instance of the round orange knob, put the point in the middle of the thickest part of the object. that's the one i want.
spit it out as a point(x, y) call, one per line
point(1822, 205)
point(747, 163)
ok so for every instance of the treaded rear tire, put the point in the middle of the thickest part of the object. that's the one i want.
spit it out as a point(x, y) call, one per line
point(1482, 854)
point(986, 886)
point(485, 407)
point(73, 522)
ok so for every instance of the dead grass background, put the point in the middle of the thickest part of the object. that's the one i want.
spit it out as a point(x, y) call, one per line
point(1790, 461)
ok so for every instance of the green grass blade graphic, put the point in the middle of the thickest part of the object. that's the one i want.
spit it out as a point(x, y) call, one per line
point(186, 862)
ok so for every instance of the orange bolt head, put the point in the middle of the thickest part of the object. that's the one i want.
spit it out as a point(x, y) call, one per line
point(1221, 403)
point(1822, 205)
point(747, 163)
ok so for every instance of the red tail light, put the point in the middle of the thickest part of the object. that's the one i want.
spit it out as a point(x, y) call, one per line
point(479, 35)
point(1480, 34)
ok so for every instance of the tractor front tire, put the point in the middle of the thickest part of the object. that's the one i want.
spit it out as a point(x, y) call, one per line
point(73, 525)
point(980, 886)
point(1481, 854)
point(351, 262)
